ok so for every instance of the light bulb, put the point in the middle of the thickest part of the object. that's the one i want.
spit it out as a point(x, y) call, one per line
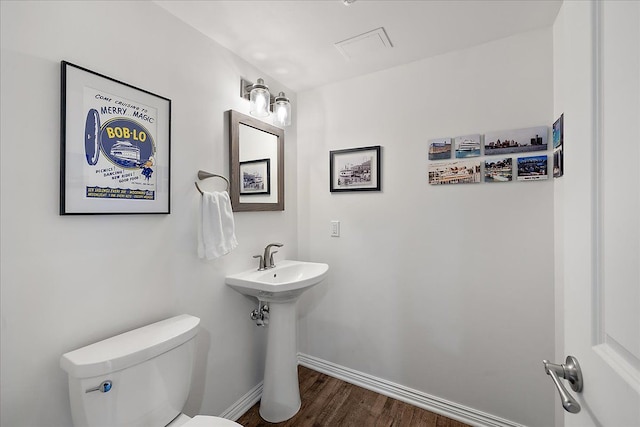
point(282, 110)
point(259, 99)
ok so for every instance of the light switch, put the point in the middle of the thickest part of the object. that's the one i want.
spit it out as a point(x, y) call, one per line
point(335, 228)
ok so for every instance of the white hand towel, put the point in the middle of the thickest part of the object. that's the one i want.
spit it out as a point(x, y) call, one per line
point(216, 228)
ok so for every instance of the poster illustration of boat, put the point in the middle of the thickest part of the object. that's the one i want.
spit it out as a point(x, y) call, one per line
point(115, 146)
point(119, 146)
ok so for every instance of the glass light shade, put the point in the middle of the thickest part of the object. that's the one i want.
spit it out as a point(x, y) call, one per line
point(282, 110)
point(259, 99)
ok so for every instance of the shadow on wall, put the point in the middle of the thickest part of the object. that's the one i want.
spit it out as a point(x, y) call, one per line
point(198, 376)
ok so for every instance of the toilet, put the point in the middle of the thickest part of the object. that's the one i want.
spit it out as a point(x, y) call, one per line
point(139, 378)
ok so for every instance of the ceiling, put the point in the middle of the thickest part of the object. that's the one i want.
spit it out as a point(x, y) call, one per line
point(293, 41)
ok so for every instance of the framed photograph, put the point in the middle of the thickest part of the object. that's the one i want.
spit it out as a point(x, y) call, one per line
point(516, 141)
point(457, 172)
point(558, 147)
point(256, 177)
point(115, 150)
point(440, 149)
point(498, 170)
point(532, 168)
point(355, 169)
point(467, 146)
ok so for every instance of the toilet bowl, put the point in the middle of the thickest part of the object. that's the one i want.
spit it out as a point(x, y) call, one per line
point(138, 378)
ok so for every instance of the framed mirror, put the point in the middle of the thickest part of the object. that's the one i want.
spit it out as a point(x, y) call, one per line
point(256, 164)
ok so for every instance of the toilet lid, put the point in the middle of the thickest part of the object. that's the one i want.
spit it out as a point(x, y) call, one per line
point(207, 421)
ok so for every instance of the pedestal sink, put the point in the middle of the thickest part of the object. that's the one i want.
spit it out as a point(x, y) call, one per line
point(281, 287)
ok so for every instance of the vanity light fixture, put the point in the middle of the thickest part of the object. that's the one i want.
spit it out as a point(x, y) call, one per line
point(262, 103)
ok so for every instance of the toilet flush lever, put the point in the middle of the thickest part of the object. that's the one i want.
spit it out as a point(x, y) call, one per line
point(104, 387)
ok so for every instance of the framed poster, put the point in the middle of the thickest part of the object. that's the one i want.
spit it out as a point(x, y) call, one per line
point(256, 177)
point(355, 169)
point(115, 146)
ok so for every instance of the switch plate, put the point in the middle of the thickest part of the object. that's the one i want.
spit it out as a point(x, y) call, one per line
point(335, 228)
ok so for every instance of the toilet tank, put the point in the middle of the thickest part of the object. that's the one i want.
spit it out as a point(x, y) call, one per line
point(141, 377)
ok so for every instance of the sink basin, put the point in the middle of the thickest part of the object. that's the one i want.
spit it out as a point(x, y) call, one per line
point(285, 282)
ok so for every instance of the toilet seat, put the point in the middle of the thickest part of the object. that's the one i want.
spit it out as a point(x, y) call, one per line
point(208, 421)
point(201, 421)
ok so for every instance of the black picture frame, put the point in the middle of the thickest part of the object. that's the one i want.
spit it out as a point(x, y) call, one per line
point(255, 177)
point(355, 169)
point(115, 146)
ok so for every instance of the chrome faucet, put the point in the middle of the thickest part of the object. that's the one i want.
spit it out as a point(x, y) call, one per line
point(267, 258)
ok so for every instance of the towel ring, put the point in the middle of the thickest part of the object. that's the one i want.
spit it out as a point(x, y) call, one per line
point(204, 175)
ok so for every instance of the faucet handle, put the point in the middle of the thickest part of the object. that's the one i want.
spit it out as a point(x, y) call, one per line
point(271, 263)
point(262, 265)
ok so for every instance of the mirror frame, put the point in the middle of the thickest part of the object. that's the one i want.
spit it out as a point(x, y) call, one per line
point(235, 120)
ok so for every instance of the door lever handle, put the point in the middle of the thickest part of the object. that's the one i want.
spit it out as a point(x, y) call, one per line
point(570, 371)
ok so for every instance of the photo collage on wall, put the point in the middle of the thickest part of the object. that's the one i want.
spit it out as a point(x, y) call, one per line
point(511, 155)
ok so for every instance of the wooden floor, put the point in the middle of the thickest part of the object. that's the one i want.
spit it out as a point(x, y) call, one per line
point(327, 401)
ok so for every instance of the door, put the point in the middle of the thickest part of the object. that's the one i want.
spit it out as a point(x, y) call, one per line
point(601, 227)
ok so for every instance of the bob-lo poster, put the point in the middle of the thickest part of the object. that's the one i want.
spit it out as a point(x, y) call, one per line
point(115, 147)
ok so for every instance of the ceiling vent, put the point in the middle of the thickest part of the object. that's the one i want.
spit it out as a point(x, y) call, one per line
point(364, 45)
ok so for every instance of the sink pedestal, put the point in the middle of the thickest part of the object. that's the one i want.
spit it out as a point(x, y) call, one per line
point(280, 286)
point(281, 392)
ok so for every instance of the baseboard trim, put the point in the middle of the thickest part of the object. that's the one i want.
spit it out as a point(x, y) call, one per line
point(238, 409)
point(405, 394)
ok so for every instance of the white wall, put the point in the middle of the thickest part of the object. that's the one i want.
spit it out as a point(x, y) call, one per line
point(69, 281)
point(445, 289)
